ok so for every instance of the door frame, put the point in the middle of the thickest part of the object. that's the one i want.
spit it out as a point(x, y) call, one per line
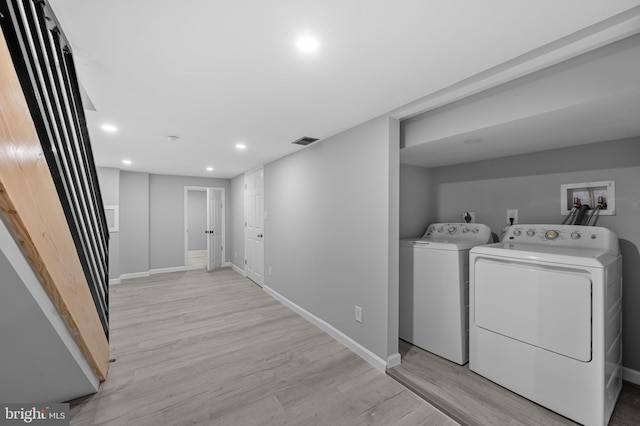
point(186, 223)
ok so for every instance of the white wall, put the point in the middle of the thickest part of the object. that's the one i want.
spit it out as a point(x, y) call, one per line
point(417, 209)
point(592, 77)
point(331, 236)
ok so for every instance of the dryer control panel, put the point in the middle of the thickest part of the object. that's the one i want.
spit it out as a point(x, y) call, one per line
point(573, 236)
point(474, 232)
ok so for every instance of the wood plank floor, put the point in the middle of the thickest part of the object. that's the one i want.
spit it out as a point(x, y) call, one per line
point(471, 399)
point(215, 349)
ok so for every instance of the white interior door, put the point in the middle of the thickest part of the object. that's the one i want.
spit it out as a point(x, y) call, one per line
point(254, 225)
point(215, 245)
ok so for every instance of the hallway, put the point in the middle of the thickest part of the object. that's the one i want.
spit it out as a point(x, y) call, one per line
point(213, 348)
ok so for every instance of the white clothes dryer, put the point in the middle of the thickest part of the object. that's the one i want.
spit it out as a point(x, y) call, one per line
point(434, 284)
point(546, 317)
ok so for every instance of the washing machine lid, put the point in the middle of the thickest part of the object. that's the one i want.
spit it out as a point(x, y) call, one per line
point(588, 257)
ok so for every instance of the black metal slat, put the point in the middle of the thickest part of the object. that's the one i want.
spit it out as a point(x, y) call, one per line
point(73, 93)
point(76, 167)
point(64, 164)
point(57, 120)
point(97, 272)
point(97, 285)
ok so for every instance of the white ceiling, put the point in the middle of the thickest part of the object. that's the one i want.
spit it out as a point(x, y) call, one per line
point(216, 73)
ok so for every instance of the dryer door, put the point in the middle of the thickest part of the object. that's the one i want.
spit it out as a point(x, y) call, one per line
point(544, 306)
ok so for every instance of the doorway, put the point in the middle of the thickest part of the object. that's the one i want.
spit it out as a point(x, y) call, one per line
point(204, 227)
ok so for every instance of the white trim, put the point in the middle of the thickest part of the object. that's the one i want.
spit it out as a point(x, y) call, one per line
point(364, 353)
point(630, 375)
point(166, 270)
point(237, 269)
point(134, 275)
point(600, 34)
point(114, 281)
point(394, 360)
point(115, 226)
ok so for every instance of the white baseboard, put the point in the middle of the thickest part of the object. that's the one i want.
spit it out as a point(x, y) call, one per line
point(237, 269)
point(630, 375)
point(393, 360)
point(364, 353)
point(134, 275)
point(167, 270)
point(114, 281)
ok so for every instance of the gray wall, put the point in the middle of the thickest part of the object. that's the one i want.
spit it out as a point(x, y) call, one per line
point(329, 236)
point(134, 222)
point(197, 219)
point(109, 180)
point(417, 210)
point(151, 218)
point(531, 184)
point(39, 360)
point(237, 215)
point(166, 217)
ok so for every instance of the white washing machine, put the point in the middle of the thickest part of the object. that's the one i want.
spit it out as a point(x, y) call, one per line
point(434, 284)
point(546, 317)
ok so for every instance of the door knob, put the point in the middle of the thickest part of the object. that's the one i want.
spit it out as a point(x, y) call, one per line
point(259, 235)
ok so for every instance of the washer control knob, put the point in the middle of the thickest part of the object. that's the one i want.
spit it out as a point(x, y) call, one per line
point(575, 235)
point(531, 232)
point(551, 234)
point(465, 230)
point(517, 232)
point(452, 230)
point(475, 230)
point(440, 229)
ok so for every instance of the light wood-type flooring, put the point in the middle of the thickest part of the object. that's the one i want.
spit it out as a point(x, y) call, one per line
point(197, 258)
point(473, 400)
point(215, 349)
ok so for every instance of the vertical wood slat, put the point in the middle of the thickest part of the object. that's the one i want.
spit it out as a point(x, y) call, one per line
point(30, 205)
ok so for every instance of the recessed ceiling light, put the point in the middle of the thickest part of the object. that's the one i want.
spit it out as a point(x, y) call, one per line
point(127, 162)
point(209, 169)
point(307, 44)
point(241, 146)
point(109, 128)
point(473, 141)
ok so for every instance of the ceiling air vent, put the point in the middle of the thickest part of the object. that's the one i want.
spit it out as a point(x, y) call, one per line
point(304, 141)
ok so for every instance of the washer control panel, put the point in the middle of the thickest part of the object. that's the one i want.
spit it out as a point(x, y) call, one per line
point(563, 236)
point(458, 232)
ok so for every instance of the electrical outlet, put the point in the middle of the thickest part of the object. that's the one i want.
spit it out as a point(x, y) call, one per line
point(512, 213)
point(358, 313)
point(472, 214)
